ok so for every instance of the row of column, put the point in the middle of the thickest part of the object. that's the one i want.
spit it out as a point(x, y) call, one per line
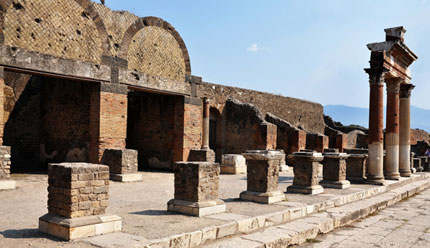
point(397, 139)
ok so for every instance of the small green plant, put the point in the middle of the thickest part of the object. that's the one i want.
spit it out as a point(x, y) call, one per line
point(312, 241)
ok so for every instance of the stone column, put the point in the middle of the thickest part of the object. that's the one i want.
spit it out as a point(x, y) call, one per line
point(376, 123)
point(196, 189)
point(391, 166)
point(306, 168)
point(108, 119)
point(405, 130)
point(206, 116)
point(262, 177)
point(78, 195)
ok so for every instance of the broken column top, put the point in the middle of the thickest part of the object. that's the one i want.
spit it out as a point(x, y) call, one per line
point(395, 34)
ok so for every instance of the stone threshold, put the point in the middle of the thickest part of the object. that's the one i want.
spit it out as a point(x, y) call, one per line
point(240, 225)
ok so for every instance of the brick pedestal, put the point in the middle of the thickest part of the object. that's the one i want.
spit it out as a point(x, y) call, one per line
point(77, 200)
point(306, 167)
point(5, 182)
point(417, 165)
point(196, 189)
point(262, 177)
point(233, 164)
point(334, 171)
point(356, 168)
point(122, 165)
point(202, 155)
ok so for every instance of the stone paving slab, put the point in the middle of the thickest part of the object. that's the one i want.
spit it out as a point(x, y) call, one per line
point(385, 232)
point(142, 206)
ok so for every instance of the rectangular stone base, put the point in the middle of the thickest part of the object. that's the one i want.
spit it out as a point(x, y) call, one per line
point(198, 209)
point(226, 169)
point(132, 177)
point(7, 184)
point(266, 198)
point(68, 229)
point(335, 184)
point(283, 167)
point(310, 190)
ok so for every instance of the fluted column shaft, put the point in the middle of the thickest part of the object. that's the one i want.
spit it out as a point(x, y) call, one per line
point(376, 124)
point(391, 165)
point(405, 130)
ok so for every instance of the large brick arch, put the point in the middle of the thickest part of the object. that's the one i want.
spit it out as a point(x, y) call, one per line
point(154, 22)
point(88, 8)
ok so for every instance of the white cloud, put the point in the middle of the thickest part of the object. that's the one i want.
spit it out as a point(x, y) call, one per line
point(255, 48)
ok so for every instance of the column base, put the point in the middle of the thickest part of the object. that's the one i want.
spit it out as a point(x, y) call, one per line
point(335, 184)
point(198, 209)
point(228, 169)
point(356, 180)
point(310, 190)
point(375, 180)
point(406, 173)
point(125, 178)
point(392, 176)
point(76, 228)
point(266, 198)
point(7, 184)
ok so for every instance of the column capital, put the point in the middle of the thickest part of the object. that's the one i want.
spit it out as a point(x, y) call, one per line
point(406, 90)
point(376, 75)
point(393, 85)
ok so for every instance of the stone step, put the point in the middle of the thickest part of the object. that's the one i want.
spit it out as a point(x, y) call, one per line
point(298, 231)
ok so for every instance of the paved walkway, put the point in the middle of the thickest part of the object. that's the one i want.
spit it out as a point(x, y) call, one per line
point(405, 224)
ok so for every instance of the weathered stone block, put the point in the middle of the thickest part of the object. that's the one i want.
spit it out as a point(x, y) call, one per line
point(306, 166)
point(202, 155)
point(122, 164)
point(356, 167)
point(5, 182)
point(334, 171)
point(233, 164)
point(262, 176)
point(196, 189)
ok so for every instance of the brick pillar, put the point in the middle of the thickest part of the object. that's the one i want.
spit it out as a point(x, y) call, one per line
point(376, 124)
point(297, 141)
point(321, 143)
point(108, 119)
point(78, 195)
point(2, 100)
point(267, 136)
point(341, 142)
point(188, 127)
point(391, 166)
point(405, 130)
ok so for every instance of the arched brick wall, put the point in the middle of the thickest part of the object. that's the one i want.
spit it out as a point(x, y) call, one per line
point(169, 60)
point(63, 28)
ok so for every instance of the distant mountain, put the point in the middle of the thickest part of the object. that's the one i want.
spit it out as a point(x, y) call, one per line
point(420, 118)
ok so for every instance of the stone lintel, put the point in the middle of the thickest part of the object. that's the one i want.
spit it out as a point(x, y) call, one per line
point(76, 228)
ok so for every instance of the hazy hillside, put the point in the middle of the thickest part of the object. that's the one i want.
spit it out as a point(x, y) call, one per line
point(420, 118)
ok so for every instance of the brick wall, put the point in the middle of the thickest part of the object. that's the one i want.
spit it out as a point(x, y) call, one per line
point(305, 114)
point(419, 135)
point(150, 127)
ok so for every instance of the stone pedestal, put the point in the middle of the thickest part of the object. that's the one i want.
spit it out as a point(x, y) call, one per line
point(262, 177)
point(334, 171)
point(196, 189)
point(233, 164)
point(417, 165)
point(306, 167)
point(77, 200)
point(5, 182)
point(122, 165)
point(202, 155)
point(356, 168)
point(424, 163)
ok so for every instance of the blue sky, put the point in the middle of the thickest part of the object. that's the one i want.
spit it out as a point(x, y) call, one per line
point(309, 49)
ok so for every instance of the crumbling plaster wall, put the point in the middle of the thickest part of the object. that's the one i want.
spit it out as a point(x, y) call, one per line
point(299, 113)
